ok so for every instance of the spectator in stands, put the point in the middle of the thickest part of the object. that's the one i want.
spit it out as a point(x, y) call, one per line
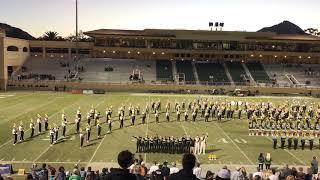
point(96, 175)
point(153, 168)
point(223, 174)
point(165, 170)
point(44, 173)
point(75, 175)
point(237, 175)
point(34, 170)
point(83, 173)
point(137, 172)
point(61, 175)
point(144, 169)
point(174, 169)
point(90, 174)
point(300, 174)
point(125, 159)
point(52, 171)
point(209, 175)
point(308, 176)
point(258, 173)
point(104, 173)
point(273, 175)
point(157, 175)
point(285, 172)
point(294, 172)
point(186, 173)
point(314, 165)
point(197, 170)
point(29, 177)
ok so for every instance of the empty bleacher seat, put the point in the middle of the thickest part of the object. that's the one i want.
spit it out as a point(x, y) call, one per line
point(164, 70)
point(257, 71)
point(185, 67)
point(211, 73)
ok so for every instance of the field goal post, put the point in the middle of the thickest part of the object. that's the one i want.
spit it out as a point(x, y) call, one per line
point(180, 78)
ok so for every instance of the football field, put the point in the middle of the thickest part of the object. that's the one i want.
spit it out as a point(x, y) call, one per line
point(228, 140)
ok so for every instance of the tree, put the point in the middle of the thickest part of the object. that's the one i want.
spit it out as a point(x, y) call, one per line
point(81, 37)
point(51, 36)
point(312, 31)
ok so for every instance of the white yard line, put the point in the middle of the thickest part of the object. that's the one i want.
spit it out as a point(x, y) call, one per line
point(244, 154)
point(294, 156)
point(95, 152)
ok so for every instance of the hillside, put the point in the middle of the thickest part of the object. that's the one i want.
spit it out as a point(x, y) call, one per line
point(15, 32)
point(286, 27)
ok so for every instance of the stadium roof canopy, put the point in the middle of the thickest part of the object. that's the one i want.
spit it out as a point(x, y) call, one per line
point(200, 34)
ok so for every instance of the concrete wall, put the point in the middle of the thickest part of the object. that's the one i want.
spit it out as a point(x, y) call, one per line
point(2, 76)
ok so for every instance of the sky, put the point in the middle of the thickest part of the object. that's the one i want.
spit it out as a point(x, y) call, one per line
point(39, 16)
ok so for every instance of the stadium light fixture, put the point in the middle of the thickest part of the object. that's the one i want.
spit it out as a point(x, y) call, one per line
point(252, 55)
point(153, 53)
point(138, 52)
point(275, 56)
point(285, 56)
point(104, 51)
point(162, 53)
point(260, 55)
point(221, 25)
point(309, 57)
point(211, 25)
point(129, 52)
point(113, 52)
point(300, 57)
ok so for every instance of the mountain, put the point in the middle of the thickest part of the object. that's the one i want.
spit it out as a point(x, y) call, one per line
point(15, 32)
point(286, 27)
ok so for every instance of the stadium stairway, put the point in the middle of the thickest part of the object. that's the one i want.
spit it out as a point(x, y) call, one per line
point(237, 72)
point(174, 71)
point(248, 73)
point(195, 72)
point(228, 73)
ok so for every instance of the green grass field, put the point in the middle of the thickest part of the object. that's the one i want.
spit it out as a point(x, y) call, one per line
point(228, 140)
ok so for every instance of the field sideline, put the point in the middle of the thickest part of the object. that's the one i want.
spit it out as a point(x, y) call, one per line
point(228, 140)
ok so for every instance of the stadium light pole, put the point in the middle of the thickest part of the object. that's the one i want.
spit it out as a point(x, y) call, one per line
point(77, 51)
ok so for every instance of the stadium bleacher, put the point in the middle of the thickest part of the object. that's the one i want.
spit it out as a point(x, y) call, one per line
point(257, 71)
point(185, 67)
point(294, 74)
point(211, 72)
point(236, 71)
point(164, 70)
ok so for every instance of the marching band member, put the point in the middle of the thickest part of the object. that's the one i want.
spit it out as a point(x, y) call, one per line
point(32, 128)
point(15, 134)
point(21, 130)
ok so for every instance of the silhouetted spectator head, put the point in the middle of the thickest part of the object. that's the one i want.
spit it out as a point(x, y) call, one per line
point(125, 159)
point(209, 175)
point(44, 165)
point(188, 161)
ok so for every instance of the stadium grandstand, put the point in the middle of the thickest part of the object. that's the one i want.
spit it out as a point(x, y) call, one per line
point(189, 58)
